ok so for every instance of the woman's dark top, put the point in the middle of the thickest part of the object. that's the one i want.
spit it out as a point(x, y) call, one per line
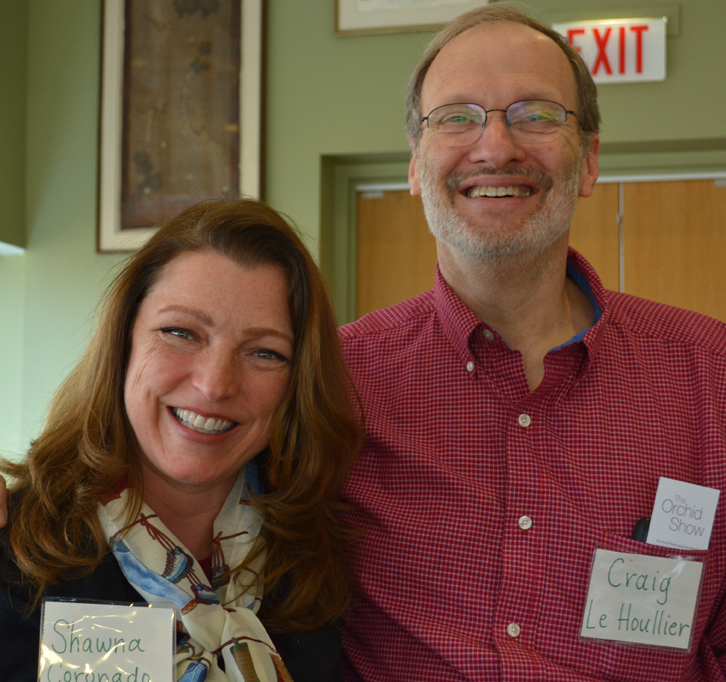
point(310, 656)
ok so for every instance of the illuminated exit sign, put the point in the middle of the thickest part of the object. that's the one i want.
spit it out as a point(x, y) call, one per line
point(620, 51)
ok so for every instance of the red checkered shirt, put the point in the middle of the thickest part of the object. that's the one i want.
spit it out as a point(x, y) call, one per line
point(484, 502)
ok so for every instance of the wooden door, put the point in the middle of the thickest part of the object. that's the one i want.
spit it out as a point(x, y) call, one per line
point(595, 232)
point(397, 253)
point(675, 244)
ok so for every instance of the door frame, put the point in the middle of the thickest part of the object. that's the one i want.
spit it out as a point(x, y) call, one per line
point(347, 176)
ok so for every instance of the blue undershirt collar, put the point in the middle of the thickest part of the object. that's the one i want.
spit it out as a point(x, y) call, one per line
point(578, 278)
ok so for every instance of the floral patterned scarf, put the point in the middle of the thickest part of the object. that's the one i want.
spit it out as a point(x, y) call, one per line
point(164, 573)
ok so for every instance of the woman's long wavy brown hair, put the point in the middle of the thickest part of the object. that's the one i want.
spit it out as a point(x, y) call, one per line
point(88, 443)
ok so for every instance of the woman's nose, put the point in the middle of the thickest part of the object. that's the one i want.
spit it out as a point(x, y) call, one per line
point(216, 377)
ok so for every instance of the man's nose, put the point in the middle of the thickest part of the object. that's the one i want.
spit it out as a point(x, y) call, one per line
point(497, 145)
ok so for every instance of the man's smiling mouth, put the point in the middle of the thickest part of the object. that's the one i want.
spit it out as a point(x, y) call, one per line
point(518, 182)
point(493, 192)
point(200, 424)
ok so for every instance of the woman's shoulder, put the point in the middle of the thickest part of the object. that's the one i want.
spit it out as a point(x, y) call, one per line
point(312, 655)
point(20, 622)
point(11, 580)
point(19, 626)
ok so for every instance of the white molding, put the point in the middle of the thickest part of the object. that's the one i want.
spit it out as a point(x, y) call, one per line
point(382, 187)
point(603, 179)
point(250, 94)
point(661, 177)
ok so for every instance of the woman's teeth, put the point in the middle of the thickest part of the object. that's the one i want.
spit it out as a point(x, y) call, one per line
point(511, 191)
point(196, 422)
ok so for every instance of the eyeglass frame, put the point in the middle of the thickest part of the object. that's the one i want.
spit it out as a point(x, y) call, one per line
point(504, 111)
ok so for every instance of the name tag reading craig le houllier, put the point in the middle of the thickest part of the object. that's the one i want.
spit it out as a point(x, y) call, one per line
point(638, 599)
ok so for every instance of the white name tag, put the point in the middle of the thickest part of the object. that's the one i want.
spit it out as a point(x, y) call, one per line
point(106, 642)
point(683, 515)
point(641, 599)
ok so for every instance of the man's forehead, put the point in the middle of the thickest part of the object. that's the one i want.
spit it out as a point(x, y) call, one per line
point(504, 35)
point(500, 51)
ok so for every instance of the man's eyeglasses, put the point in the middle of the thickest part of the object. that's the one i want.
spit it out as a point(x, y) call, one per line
point(531, 120)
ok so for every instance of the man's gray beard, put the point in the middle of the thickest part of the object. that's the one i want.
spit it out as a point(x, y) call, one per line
point(536, 234)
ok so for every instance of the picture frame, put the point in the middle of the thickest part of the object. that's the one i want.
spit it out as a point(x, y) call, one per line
point(130, 208)
point(365, 17)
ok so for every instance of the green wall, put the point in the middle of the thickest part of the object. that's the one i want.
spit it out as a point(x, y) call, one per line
point(329, 101)
point(13, 70)
point(60, 276)
point(328, 95)
point(12, 299)
point(343, 96)
point(13, 81)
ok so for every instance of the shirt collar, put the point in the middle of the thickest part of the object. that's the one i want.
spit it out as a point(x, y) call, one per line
point(458, 321)
point(578, 278)
point(587, 279)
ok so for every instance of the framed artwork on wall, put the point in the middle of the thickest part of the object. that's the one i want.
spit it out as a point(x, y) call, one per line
point(360, 17)
point(181, 97)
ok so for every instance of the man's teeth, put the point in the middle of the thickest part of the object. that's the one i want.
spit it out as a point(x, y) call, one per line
point(498, 191)
point(195, 421)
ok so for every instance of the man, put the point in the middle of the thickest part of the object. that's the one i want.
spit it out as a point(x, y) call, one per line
point(519, 417)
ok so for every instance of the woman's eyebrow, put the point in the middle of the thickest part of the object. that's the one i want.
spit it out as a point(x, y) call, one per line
point(175, 308)
point(254, 332)
point(259, 332)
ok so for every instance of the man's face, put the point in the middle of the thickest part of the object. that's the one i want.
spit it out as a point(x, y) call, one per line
point(494, 65)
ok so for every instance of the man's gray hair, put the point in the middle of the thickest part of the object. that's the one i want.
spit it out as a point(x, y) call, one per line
point(588, 111)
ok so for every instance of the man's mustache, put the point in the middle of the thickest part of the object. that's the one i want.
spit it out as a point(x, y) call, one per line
point(457, 177)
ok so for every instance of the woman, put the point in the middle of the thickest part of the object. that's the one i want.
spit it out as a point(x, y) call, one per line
point(207, 426)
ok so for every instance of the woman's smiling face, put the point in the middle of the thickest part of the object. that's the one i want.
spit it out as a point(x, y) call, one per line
point(210, 361)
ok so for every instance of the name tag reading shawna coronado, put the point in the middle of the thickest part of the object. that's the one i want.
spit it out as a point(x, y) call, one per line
point(640, 599)
point(106, 642)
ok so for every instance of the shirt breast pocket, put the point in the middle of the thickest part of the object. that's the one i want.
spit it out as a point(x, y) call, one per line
point(633, 661)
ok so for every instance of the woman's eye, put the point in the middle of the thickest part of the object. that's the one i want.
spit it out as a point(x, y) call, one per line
point(266, 354)
point(180, 333)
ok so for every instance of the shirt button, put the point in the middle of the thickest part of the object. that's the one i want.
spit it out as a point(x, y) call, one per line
point(470, 366)
point(513, 630)
point(525, 523)
point(487, 334)
point(524, 420)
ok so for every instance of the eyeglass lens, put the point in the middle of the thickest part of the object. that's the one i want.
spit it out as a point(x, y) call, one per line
point(530, 120)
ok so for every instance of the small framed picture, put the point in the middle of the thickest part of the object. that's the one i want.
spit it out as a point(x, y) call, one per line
point(180, 111)
point(359, 17)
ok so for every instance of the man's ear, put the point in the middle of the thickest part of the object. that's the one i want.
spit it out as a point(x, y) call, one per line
point(413, 178)
point(590, 168)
